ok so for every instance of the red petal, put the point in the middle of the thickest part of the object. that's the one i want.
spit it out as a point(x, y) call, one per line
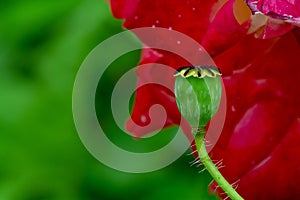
point(224, 31)
point(123, 8)
point(277, 8)
point(258, 144)
point(281, 168)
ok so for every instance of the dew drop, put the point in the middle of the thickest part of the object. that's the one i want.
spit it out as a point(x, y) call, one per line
point(178, 42)
point(179, 15)
point(233, 108)
point(143, 119)
point(170, 28)
point(193, 8)
point(153, 26)
point(157, 21)
point(136, 17)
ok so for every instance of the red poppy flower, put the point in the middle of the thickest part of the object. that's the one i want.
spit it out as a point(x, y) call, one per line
point(257, 47)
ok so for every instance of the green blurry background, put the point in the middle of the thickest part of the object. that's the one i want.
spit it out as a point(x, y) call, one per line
point(42, 44)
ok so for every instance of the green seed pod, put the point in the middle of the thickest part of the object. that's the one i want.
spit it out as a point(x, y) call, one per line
point(198, 93)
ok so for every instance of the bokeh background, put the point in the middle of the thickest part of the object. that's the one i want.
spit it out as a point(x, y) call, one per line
point(42, 44)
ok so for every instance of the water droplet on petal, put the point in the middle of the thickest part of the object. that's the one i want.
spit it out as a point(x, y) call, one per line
point(233, 108)
point(179, 15)
point(193, 8)
point(153, 26)
point(143, 119)
point(170, 28)
point(157, 21)
point(178, 42)
point(136, 17)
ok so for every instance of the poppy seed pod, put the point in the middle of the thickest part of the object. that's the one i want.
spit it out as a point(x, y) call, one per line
point(198, 93)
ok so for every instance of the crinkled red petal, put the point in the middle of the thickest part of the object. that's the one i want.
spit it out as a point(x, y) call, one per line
point(259, 142)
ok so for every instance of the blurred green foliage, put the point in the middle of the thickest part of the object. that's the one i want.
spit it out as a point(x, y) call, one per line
point(42, 44)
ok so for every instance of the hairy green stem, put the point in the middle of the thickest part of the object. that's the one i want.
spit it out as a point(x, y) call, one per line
point(211, 167)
